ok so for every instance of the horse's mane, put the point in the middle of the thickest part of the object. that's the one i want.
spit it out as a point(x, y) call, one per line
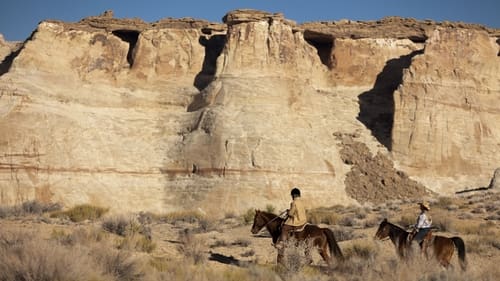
point(268, 214)
point(396, 226)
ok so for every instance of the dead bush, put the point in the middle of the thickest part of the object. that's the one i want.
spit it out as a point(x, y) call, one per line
point(28, 208)
point(295, 255)
point(23, 256)
point(123, 225)
point(191, 247)
point(119, 264)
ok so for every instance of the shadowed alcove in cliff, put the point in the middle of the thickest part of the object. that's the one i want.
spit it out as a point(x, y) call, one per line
point(213, 48)
point(376, 106)
point(498, 42)
point(323, 44)
point(7, 62)
point(9, 59)
point(131, 37)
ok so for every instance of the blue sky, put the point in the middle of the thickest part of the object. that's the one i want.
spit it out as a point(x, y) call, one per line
point(18, 18)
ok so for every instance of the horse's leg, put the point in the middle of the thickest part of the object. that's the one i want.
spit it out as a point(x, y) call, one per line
point(323, 251)
point(308, 254)
point(279, 258)
point(307, 250)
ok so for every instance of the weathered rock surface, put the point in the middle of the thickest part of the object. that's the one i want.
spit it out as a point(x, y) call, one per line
point(446, 109)
point(183, 113)
point(495, 180)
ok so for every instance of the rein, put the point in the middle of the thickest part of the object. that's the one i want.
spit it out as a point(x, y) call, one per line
point(271, 220)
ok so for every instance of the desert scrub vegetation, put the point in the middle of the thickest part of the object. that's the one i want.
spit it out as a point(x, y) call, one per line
point(323, 216)
point(248, 216)
point(136, 242)
point(124, 225)
point(135, 235)
point(181, 216)
point(81, 213)
point(28, 208)
point(79, 236)
point(362, 249)
point(26, 256)
point(192, 247)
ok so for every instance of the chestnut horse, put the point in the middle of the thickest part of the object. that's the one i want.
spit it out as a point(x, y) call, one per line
point(443, 247)
point(322, 238)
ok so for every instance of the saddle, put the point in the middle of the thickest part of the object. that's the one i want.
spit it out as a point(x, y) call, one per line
point(301, 228)
point(428, 236)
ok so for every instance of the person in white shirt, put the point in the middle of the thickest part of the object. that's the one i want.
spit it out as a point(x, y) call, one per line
point(424, 223)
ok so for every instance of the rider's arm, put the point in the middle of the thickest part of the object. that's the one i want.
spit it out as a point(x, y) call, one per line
point(419, 222)
point(293, 210)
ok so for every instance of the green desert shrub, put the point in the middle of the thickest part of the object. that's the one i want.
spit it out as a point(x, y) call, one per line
point(248, 216)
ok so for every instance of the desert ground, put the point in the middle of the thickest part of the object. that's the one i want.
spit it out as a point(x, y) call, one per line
point(45, 242)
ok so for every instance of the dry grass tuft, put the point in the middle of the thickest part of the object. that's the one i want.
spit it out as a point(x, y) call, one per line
point(81, 213)
point(181, 216)
point(79, 236)
point(363, 249)
point(137, 243)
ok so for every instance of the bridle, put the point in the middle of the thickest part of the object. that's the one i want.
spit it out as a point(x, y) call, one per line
point(271, 220)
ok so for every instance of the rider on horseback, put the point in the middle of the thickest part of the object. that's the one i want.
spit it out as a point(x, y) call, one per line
point(422, 227)
point(296, 218)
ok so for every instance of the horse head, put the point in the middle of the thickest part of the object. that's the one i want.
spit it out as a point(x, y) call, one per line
point(258, 222)
point(383, 230)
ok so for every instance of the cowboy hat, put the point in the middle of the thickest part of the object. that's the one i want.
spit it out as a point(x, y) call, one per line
point(425, 205)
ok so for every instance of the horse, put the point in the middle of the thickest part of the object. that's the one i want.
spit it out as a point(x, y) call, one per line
point(443, 247)
point(322, 238)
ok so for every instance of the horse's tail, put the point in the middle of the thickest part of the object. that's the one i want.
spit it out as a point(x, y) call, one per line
point(332, 244)
point(459, 243)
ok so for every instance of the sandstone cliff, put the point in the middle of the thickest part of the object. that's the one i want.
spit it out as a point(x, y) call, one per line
point(184, 113)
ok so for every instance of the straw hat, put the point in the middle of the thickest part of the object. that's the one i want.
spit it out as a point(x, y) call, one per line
point(425, 205)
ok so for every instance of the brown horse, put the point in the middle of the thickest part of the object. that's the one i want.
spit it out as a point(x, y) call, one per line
point(322, 238)
point(443, 247)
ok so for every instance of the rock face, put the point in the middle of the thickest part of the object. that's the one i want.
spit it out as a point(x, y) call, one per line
point(188, 114)
point(446, 108)
point(495, 180)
